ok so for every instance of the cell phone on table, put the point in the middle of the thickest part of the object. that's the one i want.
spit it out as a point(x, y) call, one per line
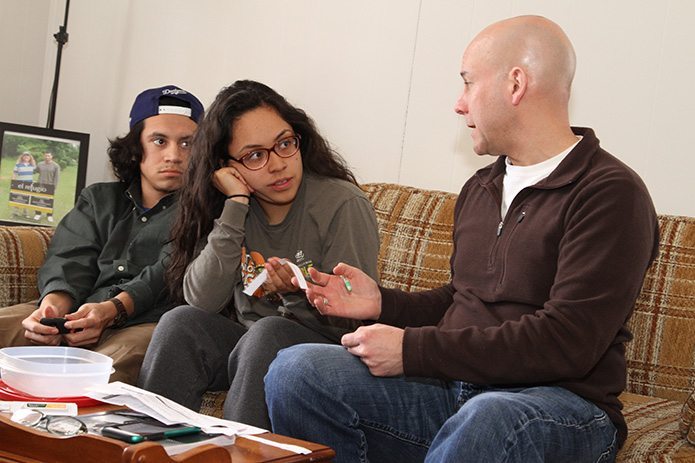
point(140, 432)
point(57, 322)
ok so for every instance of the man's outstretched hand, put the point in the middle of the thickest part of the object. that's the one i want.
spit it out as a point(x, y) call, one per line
point(348, 293)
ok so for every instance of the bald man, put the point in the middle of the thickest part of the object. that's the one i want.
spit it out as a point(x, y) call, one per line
point(521, 357)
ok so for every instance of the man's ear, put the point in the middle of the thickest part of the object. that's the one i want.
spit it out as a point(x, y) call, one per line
point(520, 84)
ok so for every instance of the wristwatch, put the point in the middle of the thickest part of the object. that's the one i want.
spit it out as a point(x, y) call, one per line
point(121, 316)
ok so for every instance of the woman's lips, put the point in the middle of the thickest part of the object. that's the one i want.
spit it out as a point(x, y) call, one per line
point(281, 184)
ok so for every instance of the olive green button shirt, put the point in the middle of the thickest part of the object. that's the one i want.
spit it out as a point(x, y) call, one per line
point(107, 244)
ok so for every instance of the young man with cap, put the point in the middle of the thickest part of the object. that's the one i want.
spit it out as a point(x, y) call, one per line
point(104, 268)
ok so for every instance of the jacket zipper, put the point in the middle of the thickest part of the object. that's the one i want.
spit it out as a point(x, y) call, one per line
point(493, 251)
point(503, 271)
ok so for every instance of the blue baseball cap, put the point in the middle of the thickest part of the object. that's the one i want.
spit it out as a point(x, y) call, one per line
point(169, 99)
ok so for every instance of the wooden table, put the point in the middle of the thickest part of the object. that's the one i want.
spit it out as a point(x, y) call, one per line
point(22, 444)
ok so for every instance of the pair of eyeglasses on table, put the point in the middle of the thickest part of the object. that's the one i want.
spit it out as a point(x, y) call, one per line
point(128, 430)
point(55, 424)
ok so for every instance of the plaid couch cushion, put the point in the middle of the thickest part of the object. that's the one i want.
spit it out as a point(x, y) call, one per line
point(661, 357)
point(653, 434)
point(22, 251)
point(415, 227)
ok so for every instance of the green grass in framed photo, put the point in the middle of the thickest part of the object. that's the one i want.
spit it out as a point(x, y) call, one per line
point(42, 172)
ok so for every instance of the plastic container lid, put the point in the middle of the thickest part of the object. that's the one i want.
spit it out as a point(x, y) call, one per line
point(52, 371)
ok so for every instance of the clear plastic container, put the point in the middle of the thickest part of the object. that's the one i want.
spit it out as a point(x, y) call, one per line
point(53, 371)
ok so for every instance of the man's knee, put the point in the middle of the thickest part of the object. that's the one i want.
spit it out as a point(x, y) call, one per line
point(291, 365)
point(288, 362)
point(11, 329)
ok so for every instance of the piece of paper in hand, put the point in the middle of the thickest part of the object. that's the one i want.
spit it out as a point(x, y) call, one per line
point(260, 279)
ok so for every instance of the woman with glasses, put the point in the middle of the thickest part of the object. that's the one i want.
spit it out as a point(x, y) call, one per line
point(264, 188)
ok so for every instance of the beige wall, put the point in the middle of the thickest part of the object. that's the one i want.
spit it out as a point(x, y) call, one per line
point(380, 77)
point(23, 48)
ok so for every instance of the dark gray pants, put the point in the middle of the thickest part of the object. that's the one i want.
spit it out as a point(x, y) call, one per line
point(193, 351)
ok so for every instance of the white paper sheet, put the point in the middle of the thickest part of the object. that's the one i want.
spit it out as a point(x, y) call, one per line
point(165, 410)
point(289, 447)
point(169, 412)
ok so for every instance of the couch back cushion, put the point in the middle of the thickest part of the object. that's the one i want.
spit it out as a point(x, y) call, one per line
point(416, 228)
point(22, 251)
point(661, 357)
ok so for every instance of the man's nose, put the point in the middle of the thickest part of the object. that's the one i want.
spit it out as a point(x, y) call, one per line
point(460, 107)
point(175, 153)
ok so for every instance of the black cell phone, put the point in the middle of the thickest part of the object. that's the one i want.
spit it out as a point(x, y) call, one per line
point(139, 432)
point(57, 322)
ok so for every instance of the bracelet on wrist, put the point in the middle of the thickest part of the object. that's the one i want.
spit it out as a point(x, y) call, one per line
point(239, 196)
point(121, 313)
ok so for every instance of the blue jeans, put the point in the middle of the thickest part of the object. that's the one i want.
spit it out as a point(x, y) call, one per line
point(322, 393)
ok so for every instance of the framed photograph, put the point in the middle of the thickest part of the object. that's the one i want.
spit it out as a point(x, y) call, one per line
point(42, 172)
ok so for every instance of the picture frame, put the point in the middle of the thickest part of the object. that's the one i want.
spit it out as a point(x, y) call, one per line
point(42, 172)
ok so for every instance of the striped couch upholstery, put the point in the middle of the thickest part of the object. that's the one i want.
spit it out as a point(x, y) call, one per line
point(415, 228)
point(22, 250)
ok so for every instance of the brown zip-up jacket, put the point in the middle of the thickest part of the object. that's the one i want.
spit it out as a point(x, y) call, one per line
point(543, 297)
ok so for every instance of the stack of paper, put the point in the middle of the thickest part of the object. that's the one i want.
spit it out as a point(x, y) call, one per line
point(169, 412)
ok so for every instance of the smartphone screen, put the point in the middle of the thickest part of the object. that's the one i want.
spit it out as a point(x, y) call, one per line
point(138, 432)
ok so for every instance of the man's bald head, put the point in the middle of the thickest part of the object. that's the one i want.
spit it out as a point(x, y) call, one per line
point(517, 76)
point(533, 43)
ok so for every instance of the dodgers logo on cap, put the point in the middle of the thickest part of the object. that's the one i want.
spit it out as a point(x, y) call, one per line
point(169, 99)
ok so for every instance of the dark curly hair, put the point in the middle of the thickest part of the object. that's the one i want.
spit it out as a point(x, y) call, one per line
point(200, 203)
point(125, 154)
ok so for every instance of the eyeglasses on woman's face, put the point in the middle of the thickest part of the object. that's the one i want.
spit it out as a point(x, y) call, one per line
point(55, 424)
point(257, 158)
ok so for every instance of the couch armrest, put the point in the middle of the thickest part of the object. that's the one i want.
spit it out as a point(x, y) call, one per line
point(22, 252)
